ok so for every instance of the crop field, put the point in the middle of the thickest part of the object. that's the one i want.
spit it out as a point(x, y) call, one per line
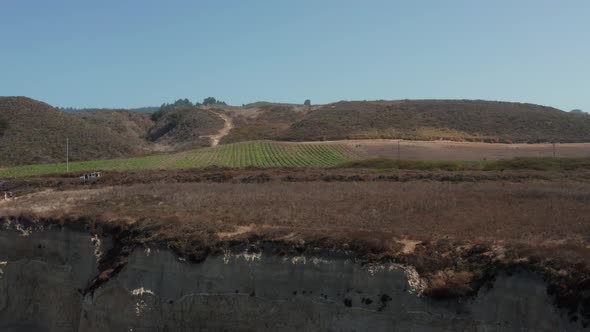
point(244, 154)
point(441, 155)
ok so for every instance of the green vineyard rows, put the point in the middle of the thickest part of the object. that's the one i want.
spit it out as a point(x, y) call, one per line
point(243, 154)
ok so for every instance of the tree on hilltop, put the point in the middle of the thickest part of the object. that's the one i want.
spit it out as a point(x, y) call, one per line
point(212, 101)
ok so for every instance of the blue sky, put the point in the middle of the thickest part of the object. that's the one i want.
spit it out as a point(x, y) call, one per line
point(116, 53)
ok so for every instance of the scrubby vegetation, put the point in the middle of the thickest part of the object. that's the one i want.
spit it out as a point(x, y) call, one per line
point(519, 163)
point(540, 164)
point(385, 163)
point(212, 101)
point(446, 119)
point(269, 124)
point(165, 108)
point(183, 104)
point(35, 132)
point(184, 127)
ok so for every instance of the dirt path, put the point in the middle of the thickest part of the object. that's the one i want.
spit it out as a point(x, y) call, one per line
point(224, 131)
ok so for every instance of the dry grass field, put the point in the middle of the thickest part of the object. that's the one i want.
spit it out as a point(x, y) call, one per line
point(529, 213)
point(451, 150)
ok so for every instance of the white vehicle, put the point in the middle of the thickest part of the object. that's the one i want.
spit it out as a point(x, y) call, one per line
point(90, 176)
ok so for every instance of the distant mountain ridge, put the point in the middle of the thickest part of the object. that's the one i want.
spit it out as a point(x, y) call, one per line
point(148, 109)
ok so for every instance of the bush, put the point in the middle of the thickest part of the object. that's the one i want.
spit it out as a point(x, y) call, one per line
point(540, 164)
point(212, 101)
point(385, 163)
point(307, 102)
point(166, 107)
point(169, 123)
point(158, 114)
point(520, 163)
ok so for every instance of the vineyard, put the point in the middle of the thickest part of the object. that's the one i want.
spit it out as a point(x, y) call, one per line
point(244, 154)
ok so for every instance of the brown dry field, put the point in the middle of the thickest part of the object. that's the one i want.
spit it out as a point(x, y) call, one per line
point(25, 185)
point(539, 214)
point(451, 150)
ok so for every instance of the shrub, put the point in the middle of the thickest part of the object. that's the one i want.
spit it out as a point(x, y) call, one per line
point(167, 107)
point(212, 101)
point(385, 163)
point(540, 164)
point(519, 163)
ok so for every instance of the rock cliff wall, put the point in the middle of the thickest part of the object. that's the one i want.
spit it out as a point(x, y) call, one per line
point(45, 272)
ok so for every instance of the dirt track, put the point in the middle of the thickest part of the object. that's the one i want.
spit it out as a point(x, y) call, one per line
point(224, 131)
point(449, 150)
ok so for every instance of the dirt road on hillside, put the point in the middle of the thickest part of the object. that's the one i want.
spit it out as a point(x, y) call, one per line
point(224, 131)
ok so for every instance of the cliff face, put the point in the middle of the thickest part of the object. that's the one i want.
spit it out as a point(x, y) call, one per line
point(44, 274)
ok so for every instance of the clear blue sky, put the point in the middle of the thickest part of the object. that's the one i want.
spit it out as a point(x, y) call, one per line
point(117, 53)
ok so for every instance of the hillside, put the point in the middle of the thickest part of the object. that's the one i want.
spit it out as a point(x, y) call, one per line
point(185, 127)
point(468, 120)
point(447, 119)
point(121, 121)
point(263, 121)
point(34, 132)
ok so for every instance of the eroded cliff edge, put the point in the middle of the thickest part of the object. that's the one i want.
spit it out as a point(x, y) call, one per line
point(75, 278)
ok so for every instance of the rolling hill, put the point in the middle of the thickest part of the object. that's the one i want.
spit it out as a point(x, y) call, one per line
point(35, 132)
point(461, 120)
point(185, 127)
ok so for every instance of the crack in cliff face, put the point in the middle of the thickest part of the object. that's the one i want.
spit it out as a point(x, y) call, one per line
point(114, 260)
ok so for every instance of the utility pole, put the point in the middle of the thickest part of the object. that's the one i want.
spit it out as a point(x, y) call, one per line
point(67, 154)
